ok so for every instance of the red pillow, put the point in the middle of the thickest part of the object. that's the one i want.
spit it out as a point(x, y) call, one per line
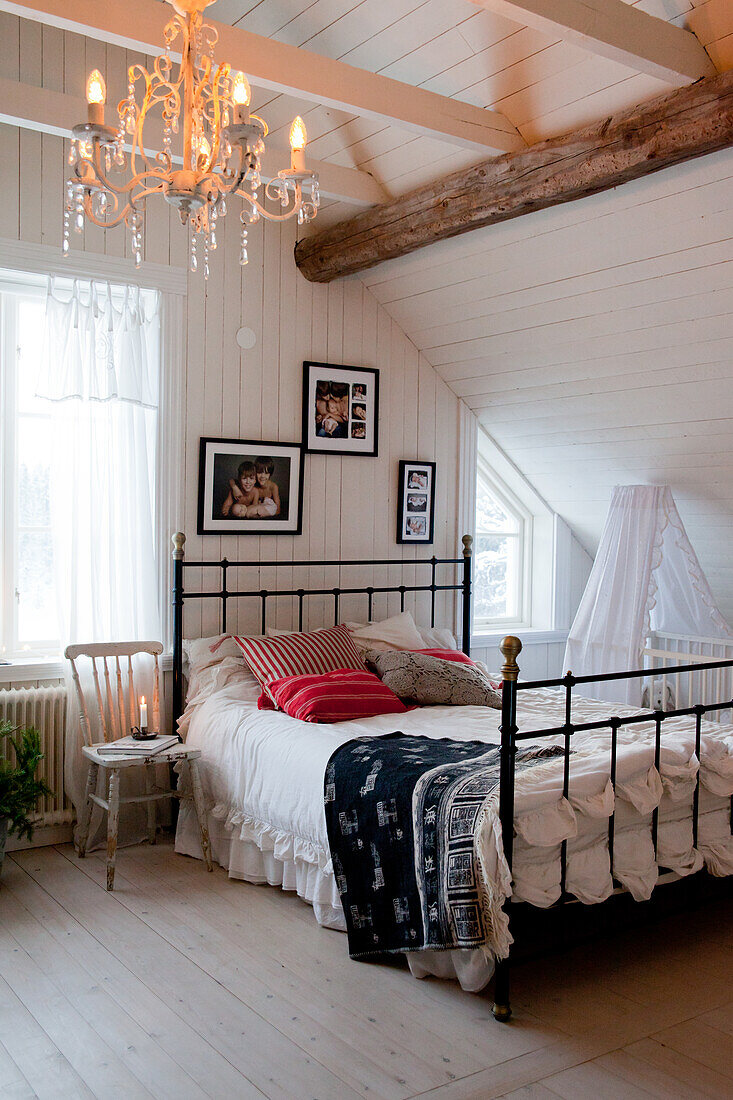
point(333, 697)
point(447, 655)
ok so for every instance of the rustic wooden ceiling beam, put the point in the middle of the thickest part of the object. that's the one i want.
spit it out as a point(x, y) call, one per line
point(686, 123)
point(614, 29)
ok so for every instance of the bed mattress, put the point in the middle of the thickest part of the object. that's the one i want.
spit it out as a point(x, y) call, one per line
point(263, 772)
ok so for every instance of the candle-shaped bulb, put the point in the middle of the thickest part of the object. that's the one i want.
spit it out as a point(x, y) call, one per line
point(298, 138)
point(204, 151)
point(143, 713)
point(96, 89)
point(96, 94)
point(298, 135)
point(241, 92)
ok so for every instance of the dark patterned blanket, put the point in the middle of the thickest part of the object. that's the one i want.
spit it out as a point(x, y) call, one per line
point(401, 812)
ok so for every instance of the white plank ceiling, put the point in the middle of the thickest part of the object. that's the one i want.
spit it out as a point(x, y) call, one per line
point(595, 343)
point(452, 47)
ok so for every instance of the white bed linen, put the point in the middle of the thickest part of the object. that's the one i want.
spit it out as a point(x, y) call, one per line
point(263, 776)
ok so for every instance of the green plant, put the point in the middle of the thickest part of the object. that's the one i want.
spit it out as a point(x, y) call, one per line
point(19, 788)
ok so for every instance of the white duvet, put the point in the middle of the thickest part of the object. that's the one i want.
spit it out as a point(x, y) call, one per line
point(263, 776)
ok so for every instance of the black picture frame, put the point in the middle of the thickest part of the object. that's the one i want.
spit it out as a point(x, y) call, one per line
point(362, 410)
point(416, 502)
point(219, 463)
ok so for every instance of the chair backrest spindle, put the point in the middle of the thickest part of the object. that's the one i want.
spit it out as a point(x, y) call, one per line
point(100, 701)
point(156, 694)
point(132, 700)
point(120, 697)
point(116, 715)
point(110, 702)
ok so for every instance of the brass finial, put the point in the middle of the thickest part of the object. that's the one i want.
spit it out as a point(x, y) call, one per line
point(467, 541)
point(178, 541)
point(510, 647)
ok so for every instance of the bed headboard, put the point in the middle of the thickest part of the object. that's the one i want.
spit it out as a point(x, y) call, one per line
point(460, 582)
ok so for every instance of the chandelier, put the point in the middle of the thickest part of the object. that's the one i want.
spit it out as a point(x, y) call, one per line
point(222, 144)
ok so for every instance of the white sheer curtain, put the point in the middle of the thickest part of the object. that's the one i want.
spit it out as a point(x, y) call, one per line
point(645, 577)
point(101, 371)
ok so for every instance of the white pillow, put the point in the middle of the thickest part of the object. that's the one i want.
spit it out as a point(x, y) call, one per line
point(397, 632)
point(199, 655)
point(437, 637)
point(211, 671)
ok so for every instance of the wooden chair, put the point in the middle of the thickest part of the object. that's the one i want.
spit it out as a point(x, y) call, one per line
point(118, 712)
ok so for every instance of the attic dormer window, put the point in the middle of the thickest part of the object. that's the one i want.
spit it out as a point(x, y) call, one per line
point(503, 528)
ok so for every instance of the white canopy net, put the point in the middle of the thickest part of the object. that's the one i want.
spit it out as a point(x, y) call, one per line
point(645, 577)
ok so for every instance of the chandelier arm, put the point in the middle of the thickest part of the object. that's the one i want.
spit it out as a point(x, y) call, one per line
point(118, 215)
point(222, 73)
point(101, 180)
point(229, 182)
point(270, 217)
point(140, 126)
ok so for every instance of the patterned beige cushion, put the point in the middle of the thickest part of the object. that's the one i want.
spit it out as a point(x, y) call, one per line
point(430, 682)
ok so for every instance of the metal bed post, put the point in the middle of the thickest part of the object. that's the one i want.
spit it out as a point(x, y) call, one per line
point(467, 541)
point(511, 647)
point(178, 541)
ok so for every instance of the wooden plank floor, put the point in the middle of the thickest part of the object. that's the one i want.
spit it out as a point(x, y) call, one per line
point(182, 984)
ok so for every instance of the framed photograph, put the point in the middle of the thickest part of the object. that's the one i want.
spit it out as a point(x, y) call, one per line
point(250, 487)
point(340, 409)
point(416, 502)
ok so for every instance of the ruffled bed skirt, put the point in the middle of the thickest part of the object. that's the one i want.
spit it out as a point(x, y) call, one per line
point(254, 852)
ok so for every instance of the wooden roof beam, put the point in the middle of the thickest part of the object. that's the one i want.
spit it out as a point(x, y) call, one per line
point(138, 25)
point(686, 123)
point(613, 29)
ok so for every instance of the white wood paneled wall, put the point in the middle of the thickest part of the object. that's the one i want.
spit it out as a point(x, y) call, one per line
point(350, 503)
point(594, 342)
point(537, 661)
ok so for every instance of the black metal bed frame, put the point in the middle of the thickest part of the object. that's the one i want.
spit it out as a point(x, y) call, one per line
point(511, 736)
point(510, 648)
point(462, 566)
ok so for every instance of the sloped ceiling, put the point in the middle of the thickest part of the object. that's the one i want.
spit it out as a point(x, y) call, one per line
point(545, 87)
point(595, 343)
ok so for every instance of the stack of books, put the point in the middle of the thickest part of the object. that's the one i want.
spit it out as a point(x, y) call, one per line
point(130, 746)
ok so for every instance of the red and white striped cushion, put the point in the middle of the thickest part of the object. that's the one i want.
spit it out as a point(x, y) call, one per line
point(300, 654)
point(334, 697)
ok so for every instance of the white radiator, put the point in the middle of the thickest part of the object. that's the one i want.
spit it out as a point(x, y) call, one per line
point(45, 709)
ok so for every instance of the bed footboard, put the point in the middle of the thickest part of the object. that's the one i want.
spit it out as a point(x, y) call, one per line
point(511, 647)
point(511, 736)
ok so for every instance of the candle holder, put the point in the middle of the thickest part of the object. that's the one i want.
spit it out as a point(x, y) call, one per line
point(143, 734)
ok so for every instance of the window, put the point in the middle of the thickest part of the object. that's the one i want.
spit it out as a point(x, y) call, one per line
point(79, 494)
point(502, 551)
point(28, 621)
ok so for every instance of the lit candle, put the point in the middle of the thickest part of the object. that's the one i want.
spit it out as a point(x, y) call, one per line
point(241, 96)
point(143, 713)
point(96, 95)
point(298, 138)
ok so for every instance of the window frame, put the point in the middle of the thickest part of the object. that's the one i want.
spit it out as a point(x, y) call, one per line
point(525, 518)
point(11, 296)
